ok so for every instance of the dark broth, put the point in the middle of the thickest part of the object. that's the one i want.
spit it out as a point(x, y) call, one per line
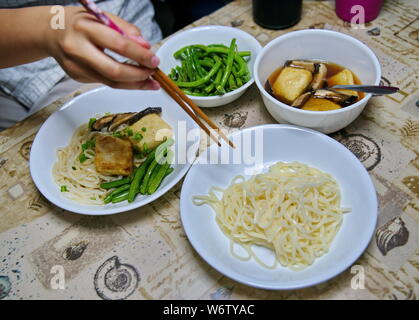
point(332, 69)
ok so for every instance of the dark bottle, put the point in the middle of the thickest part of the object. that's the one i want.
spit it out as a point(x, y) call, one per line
point(277, 14)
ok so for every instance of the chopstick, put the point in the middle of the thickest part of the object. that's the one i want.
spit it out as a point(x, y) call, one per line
point(168, 85)
point(176, 97)
point(162, 76)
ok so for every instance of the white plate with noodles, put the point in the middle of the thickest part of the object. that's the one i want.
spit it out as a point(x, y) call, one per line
point(73, 155)
point(288, 208)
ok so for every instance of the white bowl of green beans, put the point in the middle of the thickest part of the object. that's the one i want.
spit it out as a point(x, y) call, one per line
point(213, 65)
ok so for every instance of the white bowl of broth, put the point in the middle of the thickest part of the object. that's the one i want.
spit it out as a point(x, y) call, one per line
point(338, 52)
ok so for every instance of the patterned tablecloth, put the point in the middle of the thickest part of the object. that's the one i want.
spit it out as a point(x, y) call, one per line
point(148, 248)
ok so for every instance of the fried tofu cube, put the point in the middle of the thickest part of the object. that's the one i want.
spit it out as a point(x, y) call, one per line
point(344, 77)
point(113, 156)
point(316, 104)
point(149, 132)
point(291, 83)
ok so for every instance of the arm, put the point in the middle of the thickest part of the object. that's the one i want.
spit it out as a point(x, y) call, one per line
point(79, 48)
point(20, 42)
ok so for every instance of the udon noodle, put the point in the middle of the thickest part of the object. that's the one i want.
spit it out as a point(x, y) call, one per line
point(294, 209)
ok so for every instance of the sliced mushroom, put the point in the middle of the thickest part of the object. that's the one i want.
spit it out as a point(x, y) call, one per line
point(103, 122)
point(114, 121)
point(338, 97)
point(145, 112)
point(301, 100)
point(319, 78)
point(268, 88)
point(120, 119)
point(311, 66)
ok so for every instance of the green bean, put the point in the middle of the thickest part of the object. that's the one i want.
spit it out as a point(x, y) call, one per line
point(184, 71)
point(239, 82)
point(179, 73)
point(242, 65)
point(116, 192)
point(192, 62)
point(219, 75)
point(139, 174)
point(201, 72)
point(178, 53)
point(232, 82)
point(231, 54)
point(223, 50)
point(169, 171)
point(197, 94)
point(144, 184)
point(217, 45)
point(189, 70)
point(114, 184)
point(157, 178)
point(203, 80)
point(120, 198)
point(207, 62)
point(210, 87)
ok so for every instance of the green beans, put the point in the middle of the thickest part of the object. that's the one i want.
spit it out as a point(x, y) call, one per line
point(116, 192)
point(135, 184)
point(229, 65)
point(120, 198)
point(114, 184)
point(203, 80)
point(150, 169)
point(145, 179)
point(206, 70)
point(157, 178)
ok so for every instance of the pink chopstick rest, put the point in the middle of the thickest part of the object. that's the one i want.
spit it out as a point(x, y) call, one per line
point(358, 11)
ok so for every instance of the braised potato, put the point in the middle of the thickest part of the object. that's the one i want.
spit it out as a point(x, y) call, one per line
point(315, 104)
point(291, 83)
point(344, 77)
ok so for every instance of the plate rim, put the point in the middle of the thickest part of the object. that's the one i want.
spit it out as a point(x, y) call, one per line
point(99, 211)
point(321, 279)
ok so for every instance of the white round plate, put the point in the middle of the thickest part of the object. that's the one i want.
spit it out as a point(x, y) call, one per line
point(60, 126)
point(281, 143)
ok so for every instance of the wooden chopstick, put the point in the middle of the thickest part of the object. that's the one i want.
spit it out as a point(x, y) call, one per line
point(176, 97)
point(162, 77)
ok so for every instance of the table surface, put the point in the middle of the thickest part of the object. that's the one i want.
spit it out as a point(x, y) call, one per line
point(149, 245)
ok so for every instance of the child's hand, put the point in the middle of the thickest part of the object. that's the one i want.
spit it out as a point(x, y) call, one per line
point(79, 49)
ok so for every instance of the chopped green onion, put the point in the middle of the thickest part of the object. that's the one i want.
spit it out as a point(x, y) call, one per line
point(137, 136)
point(64, 189)
point(129, 131)
point(82, 157)
point(91, 121)
point(74, 168)
point(89, 144)
point(117, 134)
point(143, 129)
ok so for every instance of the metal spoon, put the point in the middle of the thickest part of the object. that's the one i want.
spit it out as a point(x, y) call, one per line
point(377, 90)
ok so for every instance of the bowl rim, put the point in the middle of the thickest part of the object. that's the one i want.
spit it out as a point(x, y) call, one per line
point(346, 37)
point(219, 28)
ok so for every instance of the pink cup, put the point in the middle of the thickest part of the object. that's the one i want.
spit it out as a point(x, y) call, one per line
point(347, 9)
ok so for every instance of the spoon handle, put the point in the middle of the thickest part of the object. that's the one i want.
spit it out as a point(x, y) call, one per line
point(378, 90)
